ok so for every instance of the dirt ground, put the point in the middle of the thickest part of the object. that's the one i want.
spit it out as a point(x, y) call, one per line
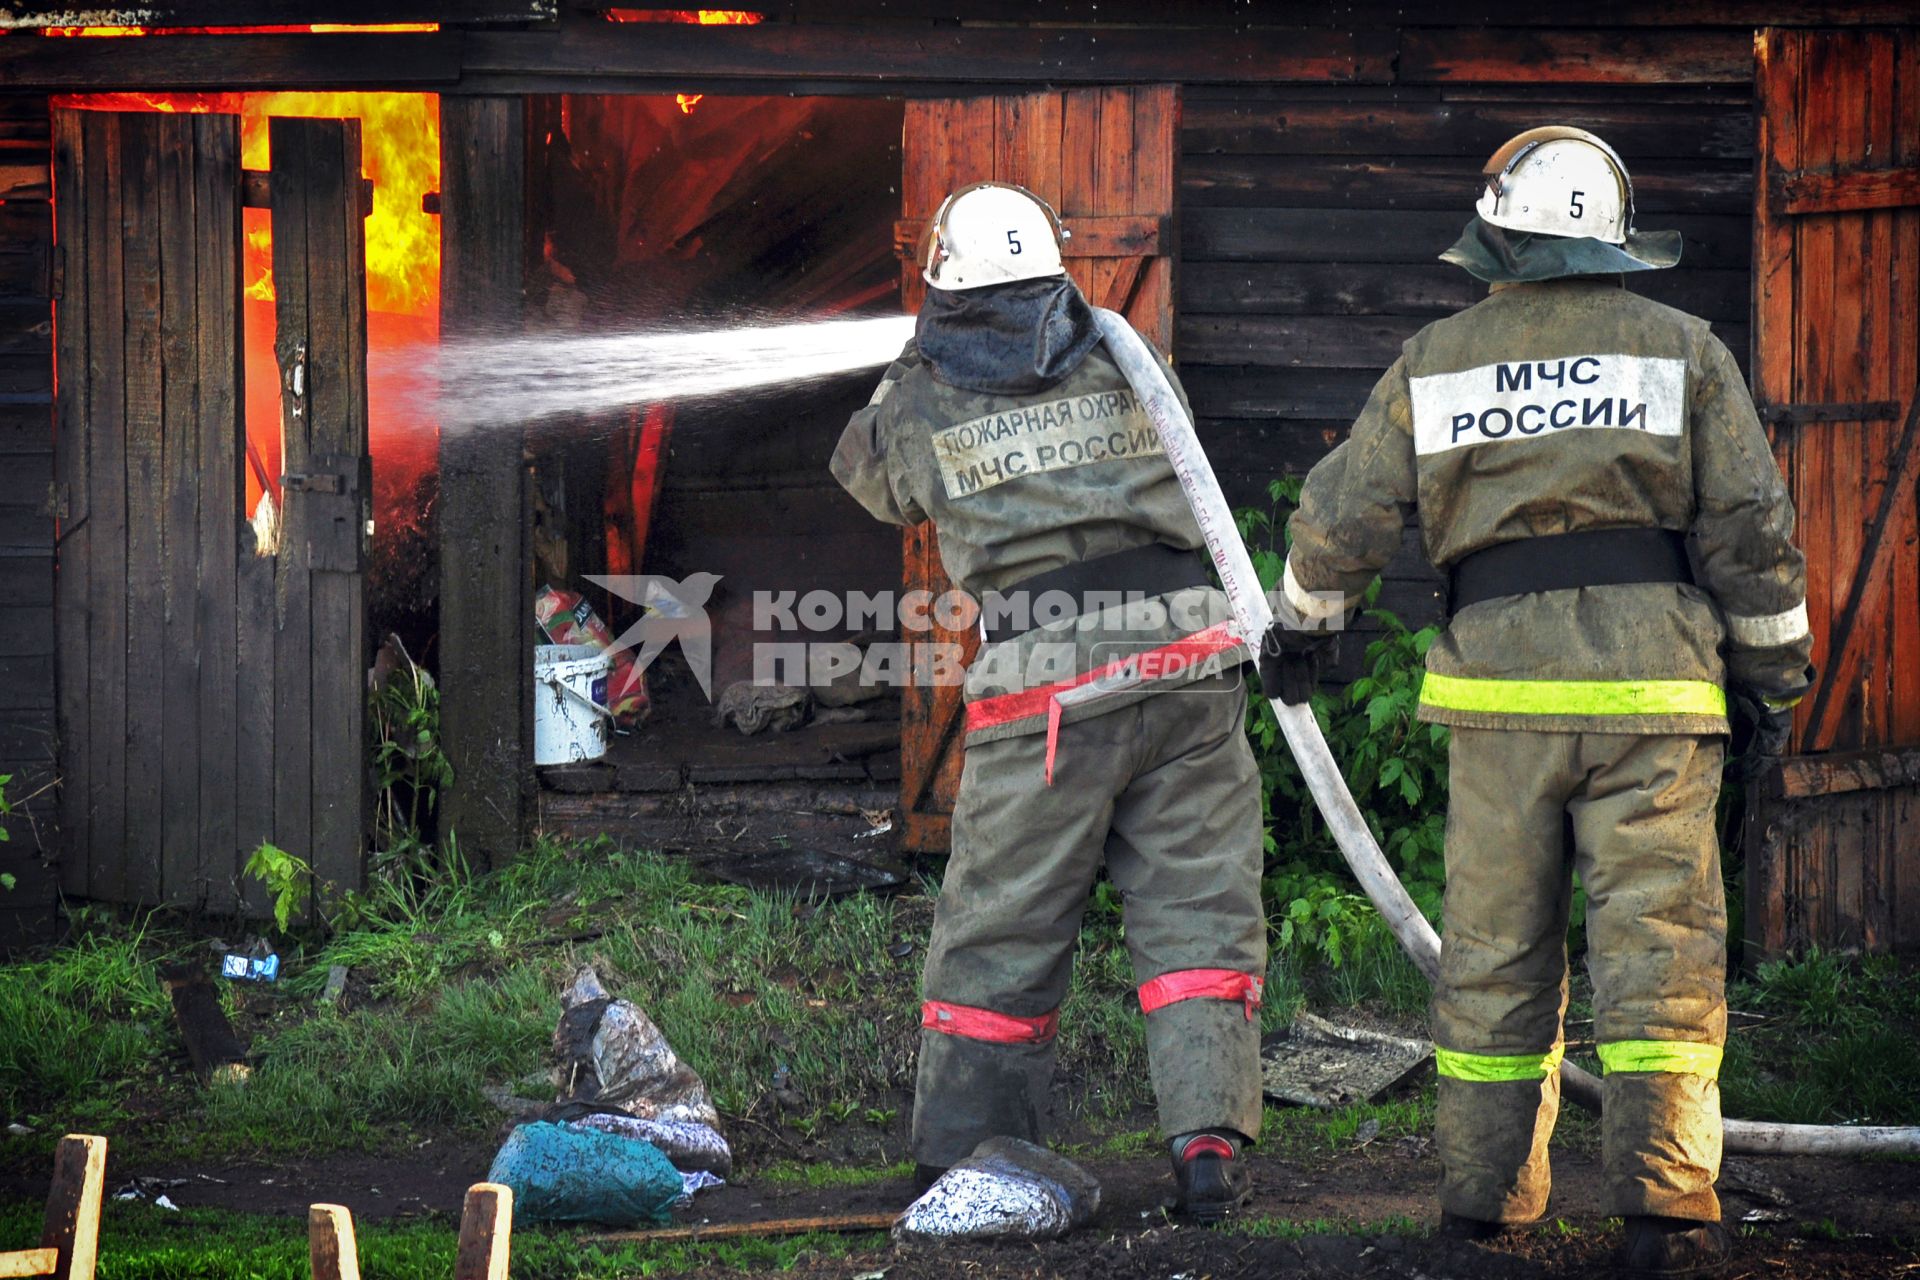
point(1803, 1219)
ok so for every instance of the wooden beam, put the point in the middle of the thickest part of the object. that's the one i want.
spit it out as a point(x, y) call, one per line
point(256, 192)
point(28, 15)
point(228, 62)
point(1501, 13)
point(211, 1044)
point(486, 611)
point(332, 1252)
point(1844, 192)
point(1869, 578)
point(1835, 773)
point(1575, 56)
point(28, 1262)
point(72, 1224)
point(486, 1233)
point(899, 53)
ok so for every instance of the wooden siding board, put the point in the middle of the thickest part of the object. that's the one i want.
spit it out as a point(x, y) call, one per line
point(1903, 379)
point(1005, 56)
point(220, 378)
point(1720, 130)
point(106, 374)
point(486, 658)
point(1835, 322)
point(337, 414)
point(72, 190)
point(293, 657)
point(1393, 182)
point(179, 664)
point(232, 62)
point(1587, 56)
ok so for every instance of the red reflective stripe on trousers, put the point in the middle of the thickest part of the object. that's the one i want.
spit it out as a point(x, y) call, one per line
point(1007, 707)
point(984, 1024)
point(1201, 984)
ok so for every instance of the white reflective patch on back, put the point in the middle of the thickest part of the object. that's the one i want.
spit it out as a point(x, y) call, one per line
point(1072, 431)
point(1528, 399)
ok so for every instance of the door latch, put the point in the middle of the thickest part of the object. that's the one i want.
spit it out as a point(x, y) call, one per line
point(314, 482)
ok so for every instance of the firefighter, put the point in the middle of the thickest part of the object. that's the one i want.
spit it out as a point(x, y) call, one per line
point(1103, 713)
point(1563, 441)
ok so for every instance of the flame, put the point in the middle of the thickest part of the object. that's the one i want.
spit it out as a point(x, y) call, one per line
point(702, 17)
point(400, 152)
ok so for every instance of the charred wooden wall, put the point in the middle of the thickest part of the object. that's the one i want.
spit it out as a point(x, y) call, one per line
point(26, 518)
point(1312, 218)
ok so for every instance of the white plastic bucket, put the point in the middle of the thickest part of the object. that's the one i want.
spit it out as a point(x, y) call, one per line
point(570, 716)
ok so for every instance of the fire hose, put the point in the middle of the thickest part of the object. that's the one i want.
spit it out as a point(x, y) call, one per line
point(1141, 366)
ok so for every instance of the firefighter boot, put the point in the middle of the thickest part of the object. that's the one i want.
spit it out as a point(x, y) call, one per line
point(1213, 1180)
point(1674, 1249)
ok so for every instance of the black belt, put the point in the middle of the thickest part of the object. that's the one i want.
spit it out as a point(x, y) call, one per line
point(1137, 574)
point(1561, 561)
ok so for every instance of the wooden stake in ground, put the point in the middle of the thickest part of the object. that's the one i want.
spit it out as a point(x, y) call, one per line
point(70, 1240)
point(486, 1233)
point(332, 1253)
point(215, 1050)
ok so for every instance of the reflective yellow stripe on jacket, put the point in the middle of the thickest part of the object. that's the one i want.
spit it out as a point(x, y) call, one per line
point(1575, 697)
point(1485, 1068)
point(1681, 1057)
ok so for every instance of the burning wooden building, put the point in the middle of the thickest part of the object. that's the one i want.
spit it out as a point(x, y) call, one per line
point(227, 247)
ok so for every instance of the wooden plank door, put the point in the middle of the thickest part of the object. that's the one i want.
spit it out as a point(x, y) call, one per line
point(320, 784)
point(1831, 859)
point(1104, 158)
point(170, 620)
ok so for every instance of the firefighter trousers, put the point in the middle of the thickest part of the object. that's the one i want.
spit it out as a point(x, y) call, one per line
point(1165, 792)
point(1634, 816)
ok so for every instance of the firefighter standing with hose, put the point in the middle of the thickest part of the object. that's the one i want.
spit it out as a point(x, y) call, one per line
point(1562, 441)
point(1103, 713)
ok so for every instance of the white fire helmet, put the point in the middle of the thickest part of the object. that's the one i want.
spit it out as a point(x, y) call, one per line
point(1559, 181)
point(992, 233)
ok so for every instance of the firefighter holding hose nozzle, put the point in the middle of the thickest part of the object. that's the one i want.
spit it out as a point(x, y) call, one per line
point(1103, 712)
point(1589, 470)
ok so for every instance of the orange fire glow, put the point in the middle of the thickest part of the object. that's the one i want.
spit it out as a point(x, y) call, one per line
point(400, 152)
point(700, 17)
point(703, 17)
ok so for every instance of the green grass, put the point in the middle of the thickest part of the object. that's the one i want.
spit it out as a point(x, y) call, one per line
point(1307, 1133)
point(139, 1242)
point(818, 1174)
point(1276, 1228)
point(1837, 1046)
point(456, 982)
point(85, 1015)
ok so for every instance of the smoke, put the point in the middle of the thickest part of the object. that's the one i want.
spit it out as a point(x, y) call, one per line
point(486, 382)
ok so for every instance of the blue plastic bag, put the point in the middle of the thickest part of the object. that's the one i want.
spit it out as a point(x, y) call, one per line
point(568, 1173)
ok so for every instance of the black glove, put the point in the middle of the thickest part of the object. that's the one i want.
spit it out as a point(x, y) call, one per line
point(1760, 732)
point(1290, 661)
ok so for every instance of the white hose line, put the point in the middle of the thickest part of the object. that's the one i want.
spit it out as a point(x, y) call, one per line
point(1141, 366)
